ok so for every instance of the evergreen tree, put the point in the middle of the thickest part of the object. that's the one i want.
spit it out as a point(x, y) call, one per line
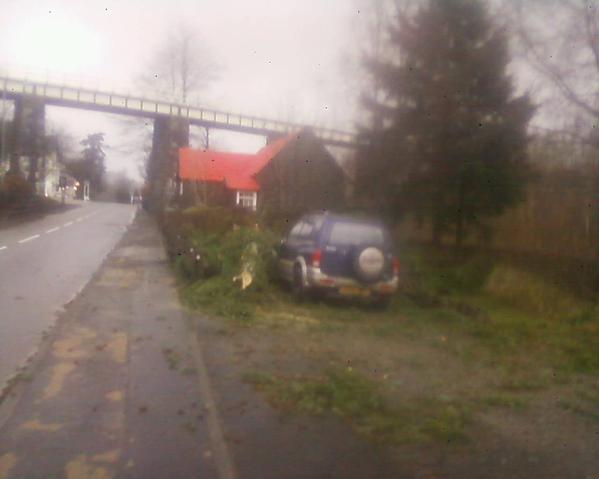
point(452, 147)
point(93, 159)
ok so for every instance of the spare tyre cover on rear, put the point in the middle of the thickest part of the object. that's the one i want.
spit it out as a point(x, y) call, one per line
point(369, 264)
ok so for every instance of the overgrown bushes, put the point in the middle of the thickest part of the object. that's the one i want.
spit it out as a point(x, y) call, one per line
point(14, 189)
point(216, 251)
point(435, 274)
point(18, 199)
point(438, 272)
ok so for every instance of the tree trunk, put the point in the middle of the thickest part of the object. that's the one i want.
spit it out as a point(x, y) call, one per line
point(14, 146)
point(32, 176)
point(459, 232)
point(459, 225)
point(437, 231)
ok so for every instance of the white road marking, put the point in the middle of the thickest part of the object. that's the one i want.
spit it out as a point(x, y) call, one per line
point(79, 219)
point(29, 239)
point(2, 247)
point(68, 224)
point(52, 230)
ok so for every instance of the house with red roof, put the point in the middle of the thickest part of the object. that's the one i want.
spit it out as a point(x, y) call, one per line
point(290, 175)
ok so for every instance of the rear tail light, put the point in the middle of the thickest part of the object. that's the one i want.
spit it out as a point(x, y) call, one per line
point(316, 258)
point(395, 265)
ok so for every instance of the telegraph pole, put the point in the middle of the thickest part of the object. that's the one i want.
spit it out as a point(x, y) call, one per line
point(3, 127)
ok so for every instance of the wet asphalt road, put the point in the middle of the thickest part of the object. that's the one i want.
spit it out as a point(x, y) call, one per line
point(43, 265)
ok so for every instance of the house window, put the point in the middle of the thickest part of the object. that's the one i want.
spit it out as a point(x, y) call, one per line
point(247, 199)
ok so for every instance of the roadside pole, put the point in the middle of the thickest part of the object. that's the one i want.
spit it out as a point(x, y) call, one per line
point(3, 137)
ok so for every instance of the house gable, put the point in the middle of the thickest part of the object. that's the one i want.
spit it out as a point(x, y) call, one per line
point(302, 176)
point(292, 174)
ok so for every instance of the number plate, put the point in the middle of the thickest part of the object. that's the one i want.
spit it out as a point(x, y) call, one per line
point(354, 291)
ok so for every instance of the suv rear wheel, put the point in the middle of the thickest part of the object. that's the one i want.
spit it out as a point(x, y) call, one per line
point(297, 284)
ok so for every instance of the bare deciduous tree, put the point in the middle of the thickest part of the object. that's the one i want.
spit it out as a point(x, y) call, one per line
point(182, 69)
point(560, 40)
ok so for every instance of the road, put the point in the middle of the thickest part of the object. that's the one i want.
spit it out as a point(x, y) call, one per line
point(43, 265)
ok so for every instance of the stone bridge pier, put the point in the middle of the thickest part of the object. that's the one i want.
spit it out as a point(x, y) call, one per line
point(27, 137)
point(170, 134)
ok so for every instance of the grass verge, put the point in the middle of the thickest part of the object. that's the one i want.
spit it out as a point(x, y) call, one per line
point(358, 400)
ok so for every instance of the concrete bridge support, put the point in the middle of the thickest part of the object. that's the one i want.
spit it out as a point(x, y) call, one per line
point(170, 134)
point(27, 137)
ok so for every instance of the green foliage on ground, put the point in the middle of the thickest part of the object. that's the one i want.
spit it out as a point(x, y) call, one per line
point(474, 308)
point(531, 292)
point(439, 272)
point(357, 399)
point(219, 292)
point(504, 311)
point(510, 338)
point(209, 248)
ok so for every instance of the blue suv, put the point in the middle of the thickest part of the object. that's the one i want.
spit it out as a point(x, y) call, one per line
point(341, 256)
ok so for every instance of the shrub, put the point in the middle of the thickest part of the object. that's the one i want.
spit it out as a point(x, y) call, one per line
point(219, 291)
point(16, 189)
point(210, 247)
point(532, 293)
point(215, 219)
point(439, 273)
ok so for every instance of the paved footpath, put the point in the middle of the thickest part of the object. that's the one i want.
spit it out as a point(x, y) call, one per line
point(125, 387)
point(118, 389)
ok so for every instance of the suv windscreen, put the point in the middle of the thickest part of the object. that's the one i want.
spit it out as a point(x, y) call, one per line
point(356, 234)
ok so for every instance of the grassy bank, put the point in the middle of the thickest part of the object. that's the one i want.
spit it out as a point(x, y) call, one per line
point(357, 399)
point(462, 338)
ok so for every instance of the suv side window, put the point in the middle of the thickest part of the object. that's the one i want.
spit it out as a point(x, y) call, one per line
point(306, 230)
point(295, 231)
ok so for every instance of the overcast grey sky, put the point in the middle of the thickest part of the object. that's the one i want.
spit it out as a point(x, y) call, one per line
point(279, 58)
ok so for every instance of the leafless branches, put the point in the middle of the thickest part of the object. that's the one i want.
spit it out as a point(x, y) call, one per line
point(560, 40)
point(182, 69)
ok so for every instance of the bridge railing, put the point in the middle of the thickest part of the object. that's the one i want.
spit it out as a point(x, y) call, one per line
point(125, 103)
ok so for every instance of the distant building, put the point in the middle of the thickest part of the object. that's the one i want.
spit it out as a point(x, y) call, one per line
point(289, 176)
point(52, 178)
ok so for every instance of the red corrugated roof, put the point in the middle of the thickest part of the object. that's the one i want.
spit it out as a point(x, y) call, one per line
point(236, 170)
point(208, 165)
